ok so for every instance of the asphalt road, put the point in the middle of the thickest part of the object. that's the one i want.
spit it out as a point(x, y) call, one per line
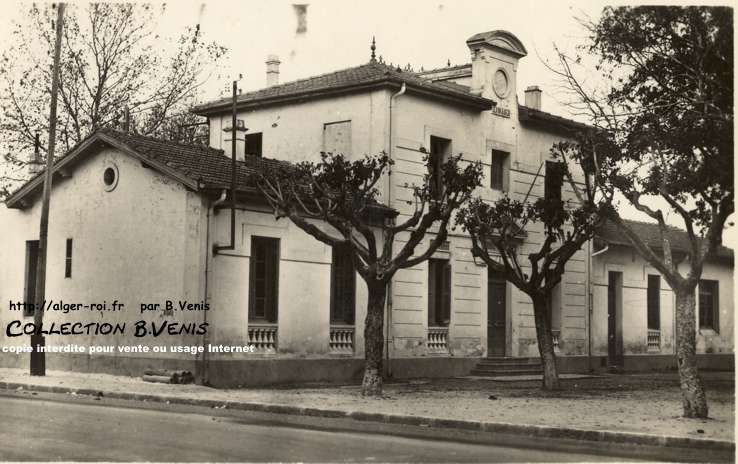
point(60, 427)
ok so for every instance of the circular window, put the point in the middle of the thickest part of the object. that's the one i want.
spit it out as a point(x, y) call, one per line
point(501, 84)
point(110, 177)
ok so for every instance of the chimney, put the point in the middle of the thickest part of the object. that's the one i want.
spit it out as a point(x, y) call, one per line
point(533, 97)
point(272, 63)
point(34, 164)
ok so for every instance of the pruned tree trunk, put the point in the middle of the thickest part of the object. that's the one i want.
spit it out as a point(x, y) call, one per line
point(374, 340)
point(545, 344)
point(694, 401)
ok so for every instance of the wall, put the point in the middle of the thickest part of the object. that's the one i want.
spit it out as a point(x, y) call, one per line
point(303, 295)
point(634, 330)
point(294, 132)
point(139, 243)
point(475, 134)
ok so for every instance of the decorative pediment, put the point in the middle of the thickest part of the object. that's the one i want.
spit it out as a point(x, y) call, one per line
point(502, 40)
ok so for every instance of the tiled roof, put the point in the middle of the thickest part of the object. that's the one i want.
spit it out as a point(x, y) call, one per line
point(365, 76)
point(208, 166)
point(197, 166)
point(548, 120)
point(650, 233)
point(457, 67)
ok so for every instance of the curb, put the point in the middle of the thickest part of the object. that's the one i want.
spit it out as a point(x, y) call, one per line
point(540, 431)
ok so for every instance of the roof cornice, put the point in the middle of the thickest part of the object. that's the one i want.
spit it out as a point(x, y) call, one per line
point(18, 199)
point(471, 101)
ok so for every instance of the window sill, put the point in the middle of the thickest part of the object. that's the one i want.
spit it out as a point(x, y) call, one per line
point(709, 331)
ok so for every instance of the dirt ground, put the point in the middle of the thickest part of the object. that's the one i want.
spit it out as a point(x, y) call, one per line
point(647, 403)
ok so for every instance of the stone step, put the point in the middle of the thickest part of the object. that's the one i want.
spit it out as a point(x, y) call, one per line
point(509, 368)
point(497, 366)
point(501, 373)
point(508, 360)
point(503, 365)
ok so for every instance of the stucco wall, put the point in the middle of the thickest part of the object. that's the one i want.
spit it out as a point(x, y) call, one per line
point(139, 243)
point(294, 132)
point(303, 293)
point(633, 319)
point(475, 134)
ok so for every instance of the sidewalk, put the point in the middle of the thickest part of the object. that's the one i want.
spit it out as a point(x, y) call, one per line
point(642, 408)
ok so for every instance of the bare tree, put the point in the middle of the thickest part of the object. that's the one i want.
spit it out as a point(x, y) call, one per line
point(669, 110)
point(114, 66)
point(343, 194)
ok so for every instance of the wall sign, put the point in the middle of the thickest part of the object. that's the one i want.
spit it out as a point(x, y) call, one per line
point(502, 112)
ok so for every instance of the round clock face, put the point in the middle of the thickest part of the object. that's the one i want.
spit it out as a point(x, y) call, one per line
point(501, 84)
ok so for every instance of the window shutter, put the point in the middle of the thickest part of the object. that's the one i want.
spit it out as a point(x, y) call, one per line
point(272, 277)
point(446, 297)
point(31, 271)
point(654, 303)
point(349, 290)
point(337, 138)
point(432, 293)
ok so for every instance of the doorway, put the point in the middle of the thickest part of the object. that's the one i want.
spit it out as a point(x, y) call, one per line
point(496, 316)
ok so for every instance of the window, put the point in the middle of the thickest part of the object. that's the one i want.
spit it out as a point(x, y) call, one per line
point(554, 180)
point(252, 144)
point(29, 296)
point(439, 292)
point(653, 303)
point(708, 305)
point(499, 170)
point(440, 151)
point(264, 279)
point(343, 287)
point(110, 177)
point(68, 260)
point(337, 138)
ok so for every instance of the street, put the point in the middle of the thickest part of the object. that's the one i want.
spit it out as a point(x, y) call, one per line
point(61, 427)
point(49, 426)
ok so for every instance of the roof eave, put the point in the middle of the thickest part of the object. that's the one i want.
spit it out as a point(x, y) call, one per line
point(395, 83)
point(550, 121)
point(18, 199)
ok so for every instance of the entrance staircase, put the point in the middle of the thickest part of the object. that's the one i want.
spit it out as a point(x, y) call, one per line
point(502, 366)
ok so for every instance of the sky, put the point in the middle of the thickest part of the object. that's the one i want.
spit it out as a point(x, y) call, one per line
point(420, 33)
point(337, 34)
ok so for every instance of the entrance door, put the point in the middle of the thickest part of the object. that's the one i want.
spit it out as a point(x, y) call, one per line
point(496, 321)
point(614, 295)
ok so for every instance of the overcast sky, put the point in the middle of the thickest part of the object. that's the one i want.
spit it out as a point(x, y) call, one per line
point(421, 33)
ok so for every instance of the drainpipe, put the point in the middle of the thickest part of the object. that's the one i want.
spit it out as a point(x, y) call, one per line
point(234, 132)
point(599, 252)
point(590, 297)
point(589, 305)
point(205, 354)
point(389, 203)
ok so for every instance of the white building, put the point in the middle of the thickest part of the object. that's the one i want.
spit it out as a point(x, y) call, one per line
point(136, 220)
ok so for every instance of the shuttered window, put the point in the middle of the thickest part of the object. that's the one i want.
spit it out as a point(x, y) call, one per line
point(554, 180)
point(343, 287)
point(708, 305)
point(498, 168)
point(654, 302)
point(29, 294)
point(440, 151)
point(439, 292)
point(68, 260)
point(337, 138)
point(264, 279)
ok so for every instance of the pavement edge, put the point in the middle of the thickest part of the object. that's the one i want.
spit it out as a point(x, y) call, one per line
point(605, 436)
